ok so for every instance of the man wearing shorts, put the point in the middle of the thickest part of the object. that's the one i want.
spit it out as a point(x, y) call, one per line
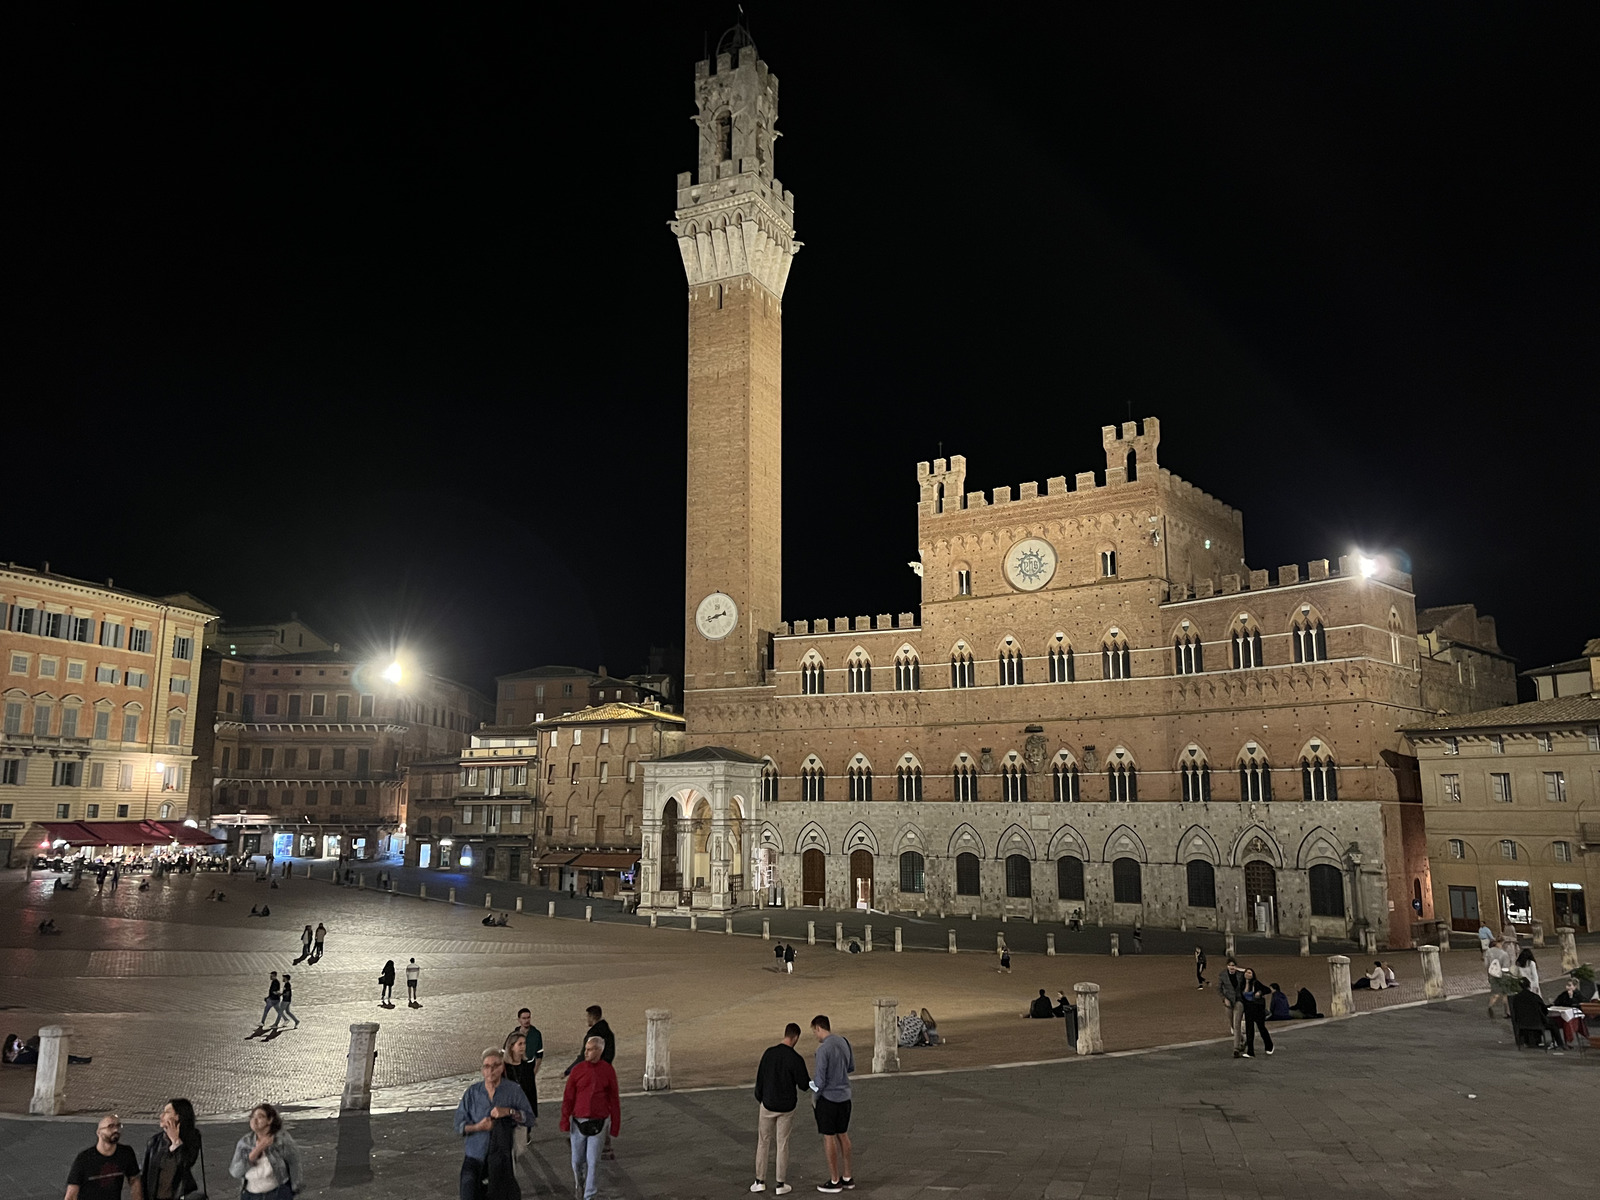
point(832, 1067)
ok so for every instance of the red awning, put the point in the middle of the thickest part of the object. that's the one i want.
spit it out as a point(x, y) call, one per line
point(127, 833)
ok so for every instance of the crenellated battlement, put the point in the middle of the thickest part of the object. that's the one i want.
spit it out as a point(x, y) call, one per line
point(841, 625)
point(1317, 570)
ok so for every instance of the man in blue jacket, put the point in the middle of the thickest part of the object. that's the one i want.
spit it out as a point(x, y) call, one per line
point(833, 1064)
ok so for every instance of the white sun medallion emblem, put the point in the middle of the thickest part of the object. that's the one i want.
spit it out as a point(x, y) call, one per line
point(1030, 564)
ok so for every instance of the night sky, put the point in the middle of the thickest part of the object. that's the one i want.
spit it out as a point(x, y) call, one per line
point(381, 322)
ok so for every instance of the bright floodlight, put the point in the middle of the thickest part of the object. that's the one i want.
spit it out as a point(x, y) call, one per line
point(192, 823)
point(1368, 566)
point(392, 672)
point(161, 767)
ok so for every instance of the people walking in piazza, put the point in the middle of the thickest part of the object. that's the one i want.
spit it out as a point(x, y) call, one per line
point(284, 1000)
point(487, 1116)
point(386, 985)
point(412, 971)
point(174, 1168)
point(1253, 996)
point(273, 997)
point(591, 1099)
point(1199, 968)
point(834, 1061)
point(319, 937)
point(266, 1158)
point(780, 1078)
point(788, 959)
point(533, 1051)
point(777, 952)
point(305, 945)
point(1229, 986)
point(97, 1173)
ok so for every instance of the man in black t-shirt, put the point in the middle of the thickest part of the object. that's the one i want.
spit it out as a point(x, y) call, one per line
point(98, 1172)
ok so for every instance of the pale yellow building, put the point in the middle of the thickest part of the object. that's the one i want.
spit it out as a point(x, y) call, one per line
point(98, 705)
point(1511, 802)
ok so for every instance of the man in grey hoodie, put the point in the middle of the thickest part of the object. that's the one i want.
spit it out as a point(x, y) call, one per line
point(1230, 989)
point(832, 1066)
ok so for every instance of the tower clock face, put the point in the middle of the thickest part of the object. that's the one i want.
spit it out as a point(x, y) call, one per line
point(717, 616)
point(1030, 564)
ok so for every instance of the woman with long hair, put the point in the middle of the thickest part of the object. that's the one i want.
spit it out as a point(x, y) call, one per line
point(266, 1158)
point(386, 984)
point(1254, 995)
point(173, 1157)
point(1528, 968)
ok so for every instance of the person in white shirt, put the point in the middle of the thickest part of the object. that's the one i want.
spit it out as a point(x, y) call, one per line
point(1376, 979)
point(412, 971)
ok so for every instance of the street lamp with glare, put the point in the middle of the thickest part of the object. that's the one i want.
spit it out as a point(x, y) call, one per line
point(392, 672)
point(1367, 566)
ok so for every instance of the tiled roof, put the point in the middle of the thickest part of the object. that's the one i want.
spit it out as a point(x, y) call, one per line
point(614, 711)
point(711, 754)
point(1571, 666)
point(1565, 710)
point(559, 672)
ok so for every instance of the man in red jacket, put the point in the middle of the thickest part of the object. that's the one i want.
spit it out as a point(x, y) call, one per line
point(590, 1098)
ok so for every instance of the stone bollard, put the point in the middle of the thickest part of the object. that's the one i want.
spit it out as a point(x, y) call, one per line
point(838, 935)
point(1227, 944)
point(1004, 918)
point(868, 946)
point(1537, 928)
point(1313, 937)
point(1568, 937)
point(422, 892)
point(488, 899)
point(358, 1067)
point(1369, 940)
point(727, 924)
point(452, 895)
point(551, 911)
point(1183, 924)
point(694, 922)
point(1000, 943)
point(1305, 945)
point(811, 933)
point(361, 881)
point(885, 1036)
point(766, 929)
point(519, 903)
point(952, 941)
point(1432, 976)
point(1342, 1004)
point(588, 912)
point(1444, 939)
point(50, 1075)
point(974, 914)
point(1050, 944)
point(652, 920)
point(1089, 1041)
point(897, 946)
point(657, 1049)
point(1116, 946)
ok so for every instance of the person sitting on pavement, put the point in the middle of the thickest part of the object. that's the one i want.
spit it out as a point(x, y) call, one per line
point(1389, 976)
point(1278, 1005)
point(1041, 1007)
point(911, 1031)
point(930, 1028)
point(1375, 979)
point(48, 926)
point(1305, 1005)
point(1063, 1007)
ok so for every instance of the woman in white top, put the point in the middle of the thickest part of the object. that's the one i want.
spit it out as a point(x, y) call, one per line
point(266, 1158)
point(1528, 969)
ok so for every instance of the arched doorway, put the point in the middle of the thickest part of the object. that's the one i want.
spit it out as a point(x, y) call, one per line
point(671, 881)
point(813, 877)
point(1261, 896)
point(700, 843)
point(736, 863)
point(861, 877)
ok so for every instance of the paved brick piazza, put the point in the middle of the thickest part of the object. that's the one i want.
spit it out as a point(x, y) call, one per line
point(164, 986)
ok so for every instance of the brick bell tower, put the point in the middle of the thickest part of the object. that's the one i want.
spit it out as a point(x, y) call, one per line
point(734, 225)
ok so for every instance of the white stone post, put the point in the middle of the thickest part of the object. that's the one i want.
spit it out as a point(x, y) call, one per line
point(361, 881)
point(694, 921)
point(50, 1075)
point(1537, 927)
point(1313, 937)
point(1444, 937)
point(811, 933)
point(552, 909)
point(452, 895)
point(588, 912)
point(885, 1036)
point(1089, 1041)
point(1183, 924)
point(488, 899)
point(727, 925)
point(1116, 946)
point(952, 941)
point(358, 1067)
point(422, 891)
point(838, 935)
point(1568, 937)
point(897, 946)
point(1342, 1004)
point(1432, 976)
point(1305, 945)
point(766, 929)
point(1050, 944)
point(652, 920)
point(1227, 944)
point(519, 903)
point(657, 1049)
point(1369, 940)
point(868, 946)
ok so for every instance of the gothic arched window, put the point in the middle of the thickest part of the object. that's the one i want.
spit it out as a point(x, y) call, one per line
point(769, 781)
point(1061, 668)
point(908, 782)
point(859, 774)
point(961, 675)
point(722, 131)
point(1064, 779)
point(1394, 636)
point(1116, 661)
point(859, 672)
point(1019, 876)
point(1255, 775)
point(1196, 772)
point(811, 675)
point(1013, 781)
point(813, 780)
point(1319, 777)
point(907, 670)
point(1188, 651)
point(1123, 778)
point(1010, 664)
point(964, 780)
point(1310, 639)
point(967, 876)
point(1245, 640)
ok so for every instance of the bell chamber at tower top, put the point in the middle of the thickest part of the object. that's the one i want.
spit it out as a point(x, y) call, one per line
point(733, 216)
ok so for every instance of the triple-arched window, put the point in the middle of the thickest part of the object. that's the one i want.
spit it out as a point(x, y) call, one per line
point(908, 782)
point(1196, 773)
point(813, 781)
point(1319, 777)
point(1116, 660)
point(907, 670)
point(1310, 639)
point(859, 774)
point(1123, 779)
point(1061, 667)
point(964, 780)
point(1064, 780)
point(1188, 652)
point(1255, 775)
point(1013, 781)
point(858, 672)
point(1246, 642)
point(961, 673)
point(1010, 664)
point(769, 782)
point(812, 675)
